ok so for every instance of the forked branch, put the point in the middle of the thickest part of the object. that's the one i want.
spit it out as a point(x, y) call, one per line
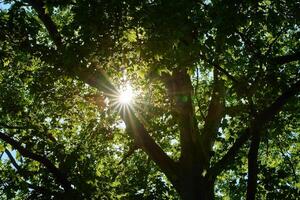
point(257, 125)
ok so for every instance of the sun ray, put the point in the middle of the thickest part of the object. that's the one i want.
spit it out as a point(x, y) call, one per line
point(126, 95)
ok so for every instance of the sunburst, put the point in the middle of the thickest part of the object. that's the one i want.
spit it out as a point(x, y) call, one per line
point(126, 95)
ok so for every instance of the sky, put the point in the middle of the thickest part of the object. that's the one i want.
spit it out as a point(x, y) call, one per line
point(3, 5)
point(5, 157)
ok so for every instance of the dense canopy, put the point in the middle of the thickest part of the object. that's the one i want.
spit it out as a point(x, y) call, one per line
point(149, 99)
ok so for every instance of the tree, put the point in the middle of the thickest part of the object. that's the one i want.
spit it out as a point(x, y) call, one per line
point(216, 109)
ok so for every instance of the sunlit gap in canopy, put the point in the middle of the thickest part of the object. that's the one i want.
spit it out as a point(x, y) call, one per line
point(126, 95)
point(125, 98)
point(127, 101)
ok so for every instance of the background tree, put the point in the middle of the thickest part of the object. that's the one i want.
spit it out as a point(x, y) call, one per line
point(215, 112)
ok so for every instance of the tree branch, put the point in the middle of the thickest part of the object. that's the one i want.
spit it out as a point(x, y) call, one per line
point(214, 115)
point(59, 176)
point(284, 29)
point(179, 88)
point(280, 60)
point(252, 167)
point(39, 7)
point(144, 141)
point(195, 92)
point(12, 160)
point(236, 110)
point(257, 125)
point(220, 69)
point(250, 45)
point(131, 150)
point(25, 175)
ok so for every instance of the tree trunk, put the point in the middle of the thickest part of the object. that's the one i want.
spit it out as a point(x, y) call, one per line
point(193, 186)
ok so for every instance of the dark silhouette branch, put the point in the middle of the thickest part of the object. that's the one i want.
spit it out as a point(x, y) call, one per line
point(214, 115)
point(284, 29)
point(12, 160)
point(257, 125)
point(250, 45)
point(59, 176)
point(196, 97)
point(226, 73)
point(236, 110)
point(23, 173)
point(280, 60)
point(144, 141)
point(220, 69)
point(131, 150)
point(252, 167)
point(227, 159)
point(39, 7)
point(179, 88)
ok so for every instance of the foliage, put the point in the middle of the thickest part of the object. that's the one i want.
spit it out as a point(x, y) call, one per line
point(210, 77)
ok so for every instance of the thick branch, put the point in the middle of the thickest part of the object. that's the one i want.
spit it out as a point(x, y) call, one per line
point(179, 89)
point(231, 153)
point(214, 115)
point(60, 177)
point(39, 7)
point(96, 78)
point(92, 76)
point(25, 175)
point(196, 96)
point(252, 167)
point(257, 125)
point(279, 60)
point(144, 141)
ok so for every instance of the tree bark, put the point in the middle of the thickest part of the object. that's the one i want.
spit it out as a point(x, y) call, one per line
point(252, 167)
point(214, 115)
point(194, 186)
point(179, 88)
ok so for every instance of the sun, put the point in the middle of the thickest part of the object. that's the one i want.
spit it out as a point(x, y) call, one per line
point(126, 95)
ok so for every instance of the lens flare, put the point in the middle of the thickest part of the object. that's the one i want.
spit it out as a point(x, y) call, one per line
point(126, 95)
